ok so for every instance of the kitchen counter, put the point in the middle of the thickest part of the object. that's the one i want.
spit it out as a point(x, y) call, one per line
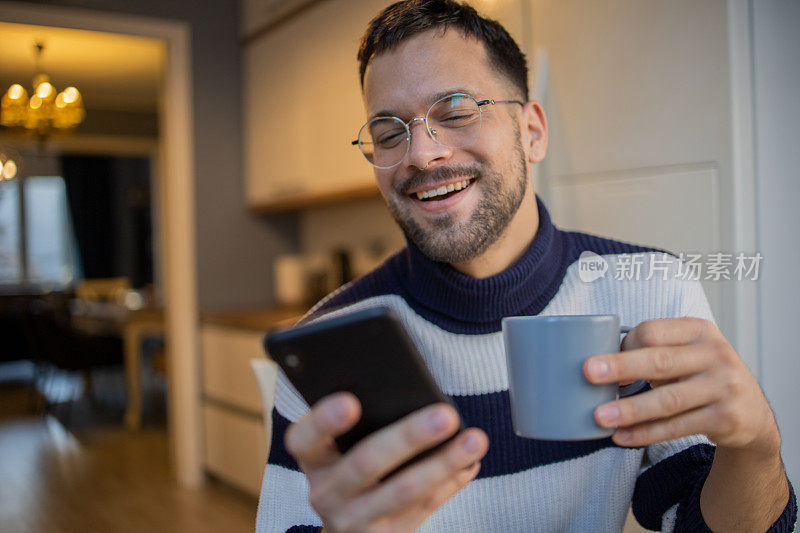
point(254, 319)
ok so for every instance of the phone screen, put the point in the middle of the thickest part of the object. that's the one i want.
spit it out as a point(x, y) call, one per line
point(367, 353)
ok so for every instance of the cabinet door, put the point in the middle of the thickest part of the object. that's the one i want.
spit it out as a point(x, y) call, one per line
point(227, 376)
point(302, 104)
point(235, 447)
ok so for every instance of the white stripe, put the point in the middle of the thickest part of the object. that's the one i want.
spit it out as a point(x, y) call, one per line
point(634, 300)
point(563, 496)
point(288, 505)
point(479, 366)
point(558, 497)
point(288, 401)
point(467, 364)
point(661, 450)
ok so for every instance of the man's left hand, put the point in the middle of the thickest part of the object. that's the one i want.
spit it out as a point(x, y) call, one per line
point(700, 386)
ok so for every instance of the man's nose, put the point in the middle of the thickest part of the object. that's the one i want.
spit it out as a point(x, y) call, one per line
point(424, 150)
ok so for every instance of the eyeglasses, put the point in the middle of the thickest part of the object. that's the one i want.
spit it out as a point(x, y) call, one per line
point(453, 121)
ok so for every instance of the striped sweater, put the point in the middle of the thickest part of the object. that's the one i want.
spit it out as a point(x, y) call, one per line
point(523, 484)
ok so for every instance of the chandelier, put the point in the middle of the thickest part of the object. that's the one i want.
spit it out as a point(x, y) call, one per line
point(8, 166)
point(44, 110)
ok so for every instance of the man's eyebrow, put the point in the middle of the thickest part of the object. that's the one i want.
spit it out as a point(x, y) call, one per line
point(431, 100)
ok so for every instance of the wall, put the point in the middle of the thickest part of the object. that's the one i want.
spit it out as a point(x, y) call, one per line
point(234, 248)
point(119, 122)
point(637, 93)
point(776, 61)
point(364, 223)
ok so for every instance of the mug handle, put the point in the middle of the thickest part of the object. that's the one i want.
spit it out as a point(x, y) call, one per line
point(636, 386)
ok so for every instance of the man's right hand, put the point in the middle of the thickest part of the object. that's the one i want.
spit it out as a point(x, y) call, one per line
point(346, 490)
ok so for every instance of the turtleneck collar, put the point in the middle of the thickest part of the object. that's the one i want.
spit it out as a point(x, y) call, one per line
point(522, 289)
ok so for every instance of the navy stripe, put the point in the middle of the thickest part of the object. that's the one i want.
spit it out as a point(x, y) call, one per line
point(664, 484)
point(788, 518)
point(580, 242)
point(304, 529)
point(507, 454)
point(689, 517)
point(278, 455)
point(461, 304)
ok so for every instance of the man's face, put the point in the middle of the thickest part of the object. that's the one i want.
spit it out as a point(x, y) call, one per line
point(404, 82)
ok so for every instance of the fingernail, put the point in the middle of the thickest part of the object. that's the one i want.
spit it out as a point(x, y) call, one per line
point(471, 444)
point(337, 411)
point(436, 421)
point(608, 415)
point(599, 368)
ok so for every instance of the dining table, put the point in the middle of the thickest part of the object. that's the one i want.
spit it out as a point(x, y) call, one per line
point(133, 326)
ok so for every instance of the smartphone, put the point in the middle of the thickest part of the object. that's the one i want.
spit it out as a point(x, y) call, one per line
point(367, 353)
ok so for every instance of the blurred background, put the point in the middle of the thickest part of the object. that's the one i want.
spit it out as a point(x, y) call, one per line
point(177, 177)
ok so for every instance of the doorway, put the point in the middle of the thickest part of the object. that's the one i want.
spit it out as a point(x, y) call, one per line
point(175, 240)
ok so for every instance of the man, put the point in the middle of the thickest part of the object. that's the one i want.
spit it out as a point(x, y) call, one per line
point(452, 138)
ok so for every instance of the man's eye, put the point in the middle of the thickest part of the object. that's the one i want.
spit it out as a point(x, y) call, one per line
point(457, 119)
point(390, 139)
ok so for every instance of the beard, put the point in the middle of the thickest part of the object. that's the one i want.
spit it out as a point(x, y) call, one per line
point(452, 241)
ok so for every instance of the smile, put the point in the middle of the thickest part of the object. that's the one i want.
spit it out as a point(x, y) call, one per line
point(443, 191)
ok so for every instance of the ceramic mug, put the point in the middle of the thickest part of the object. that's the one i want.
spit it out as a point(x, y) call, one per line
point(550, 397)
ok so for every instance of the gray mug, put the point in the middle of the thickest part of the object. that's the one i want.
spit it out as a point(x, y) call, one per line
point(550, 397)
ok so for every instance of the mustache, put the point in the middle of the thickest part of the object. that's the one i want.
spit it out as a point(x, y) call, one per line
point(420, 179)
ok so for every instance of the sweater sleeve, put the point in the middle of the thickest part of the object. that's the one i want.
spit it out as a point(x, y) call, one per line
point(283, 505)
point(674, 469)
point(667, 492)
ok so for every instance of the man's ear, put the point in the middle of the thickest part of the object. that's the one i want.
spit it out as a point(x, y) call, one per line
point(534, 131)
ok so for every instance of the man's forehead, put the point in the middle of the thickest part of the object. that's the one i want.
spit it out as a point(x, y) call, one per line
point(421, 68)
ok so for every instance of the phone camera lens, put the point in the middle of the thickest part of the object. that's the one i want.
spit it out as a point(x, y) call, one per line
point(292, 361)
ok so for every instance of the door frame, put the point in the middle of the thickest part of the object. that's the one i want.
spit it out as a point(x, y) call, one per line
point(177, 253)
point(743, 182)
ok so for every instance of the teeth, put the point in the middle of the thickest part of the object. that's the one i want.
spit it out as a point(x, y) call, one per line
point(444, 189)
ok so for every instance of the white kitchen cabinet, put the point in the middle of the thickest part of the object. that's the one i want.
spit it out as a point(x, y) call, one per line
point(302, 106)
point(235, 441)
point(235, 447)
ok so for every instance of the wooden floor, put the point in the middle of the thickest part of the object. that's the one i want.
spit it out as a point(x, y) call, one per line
point(99, 478)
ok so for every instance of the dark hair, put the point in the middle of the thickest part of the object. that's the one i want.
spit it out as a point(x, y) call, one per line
point(407, 18)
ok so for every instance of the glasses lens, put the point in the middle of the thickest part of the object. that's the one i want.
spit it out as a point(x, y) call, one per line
point(383, 141)
point(455, 120)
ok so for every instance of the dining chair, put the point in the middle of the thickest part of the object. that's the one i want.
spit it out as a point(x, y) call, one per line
point(112, 289)
point(56, 345)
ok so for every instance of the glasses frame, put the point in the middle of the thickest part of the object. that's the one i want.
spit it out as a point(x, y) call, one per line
point(431, 131)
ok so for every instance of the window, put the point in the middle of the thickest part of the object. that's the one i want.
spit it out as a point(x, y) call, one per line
point(51, 250)
point(39, 223)
point(10, 235)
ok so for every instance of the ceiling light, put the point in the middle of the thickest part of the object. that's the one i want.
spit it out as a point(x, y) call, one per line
point(45, 110)
point(9, 163)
